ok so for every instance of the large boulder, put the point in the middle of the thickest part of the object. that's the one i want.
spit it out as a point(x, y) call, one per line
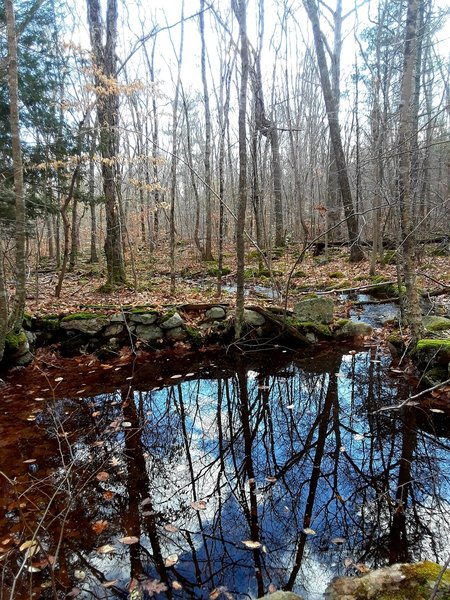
point(149, 333)
point(215, 313)
point(434, 323)
point(253, 318)
point(84, 323)
point(171, 321)
point(353, 329)
point(399, 582)
point(315, 310)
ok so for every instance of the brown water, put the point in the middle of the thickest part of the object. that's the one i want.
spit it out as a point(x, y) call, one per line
point(232, 477)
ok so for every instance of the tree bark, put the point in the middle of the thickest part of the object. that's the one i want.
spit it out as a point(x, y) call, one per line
point(356, 253)
point(108, 119)
point(240, 10)
point(207, 156)
point(16, 317)
point(411, 311)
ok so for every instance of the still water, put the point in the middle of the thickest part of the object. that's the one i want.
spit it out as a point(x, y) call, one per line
point(216, 478)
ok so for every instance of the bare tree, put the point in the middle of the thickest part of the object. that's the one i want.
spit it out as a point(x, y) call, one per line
point(104, 40)
point(240, 10)
point(356, 253)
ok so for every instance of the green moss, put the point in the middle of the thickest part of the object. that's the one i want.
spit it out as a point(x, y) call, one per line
point(27, 318)
point(309, 327)
point(340, 323)
point(395, 338)
point(435, 376)
point(215, 271)
point(278, 251)
point(336, 275)
point(310, 295)
point(427, 344)
point(390, 257)
point(140, 310)
point(83, 316)
point(168, 315)
point(50, 323)
point(360, 278)
point(436, 323)
point(15, 339)
point(378, 279)
point(249, 273)
point(194, 336)
point(300, 274)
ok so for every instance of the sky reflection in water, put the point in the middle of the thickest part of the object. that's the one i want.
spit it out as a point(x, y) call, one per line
point(293, 457)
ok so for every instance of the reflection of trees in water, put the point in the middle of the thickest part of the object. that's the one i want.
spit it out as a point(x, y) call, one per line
point(273, 456)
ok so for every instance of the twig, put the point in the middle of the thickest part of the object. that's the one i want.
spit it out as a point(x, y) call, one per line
point(422, 393)
point(439, 579)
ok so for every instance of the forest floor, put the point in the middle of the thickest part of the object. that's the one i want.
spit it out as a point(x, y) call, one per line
point(196, 281)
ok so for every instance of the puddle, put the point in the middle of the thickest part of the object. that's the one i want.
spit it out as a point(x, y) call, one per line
point(371, 310)
point(216, 479)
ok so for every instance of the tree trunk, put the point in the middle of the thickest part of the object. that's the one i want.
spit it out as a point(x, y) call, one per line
point(16, 317)
point(108, 119)
point(406, 138)
point(207, 156)
point(240, 9)
point(356, 253)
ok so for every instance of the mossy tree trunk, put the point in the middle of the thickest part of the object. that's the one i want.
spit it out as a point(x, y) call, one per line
point(16, 317)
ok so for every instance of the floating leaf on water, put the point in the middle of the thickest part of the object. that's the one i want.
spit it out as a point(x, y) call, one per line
point(437, 410)
point(114, 461)
point(39, 399)
point(352, 352)
point(106, 549)
point(272, 588)
point(362, 568)
point(189, 374)
point(99, 526)
point(219, 592)
point(338, 541)
point(271, 479)
point(32, 569)
point(290, 406)
point(108, 495)
point(252, 544)
point(263, 387)
point(108, 584)
point(198, 505)
point(171, 560)
point(177, 585)
point(102, 476)
point(29, 461)
point(348, 562)
point(171, 528)
point(146, 501)
point(176, 376)
point(58, 379)
point(358, 437)
point(126, 424)
point(342, 449)
point(31, 418)
point(309, 531)
point(74, 592)
point(153, 586)
point(129, 539)
point(79, 574)
point(97, 413)
point(5, 541)
point(148, 513)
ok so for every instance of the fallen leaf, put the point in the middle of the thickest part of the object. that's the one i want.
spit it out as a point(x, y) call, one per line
point(129, 539)
point(102, 476)
point(32, 569)
point(97, 413)
point(272, 588)
point(114, 461)
point(74, 592)
point(146, 501)
point(171, 528)
point(362, 568)
point(171, 560)
point(198, 505)
point(108, 584)
point(358, 437)
point(58, 379)
point(176, 376)
point(177, 585)
point(27, 544)
point(29, 461)
point(309, 531)
point(348, 562)
point(271, 479)
point(108, 495)
point(126, 424)
point(99, 526)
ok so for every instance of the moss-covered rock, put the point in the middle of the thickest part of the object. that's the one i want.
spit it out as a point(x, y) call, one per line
point(316, 310)
point(82, 316)
point(433, 323)
point(319, 330)
point(14, 340)
point(397, 582)
point(431, 353)
point(171, 320)
point(84, 322)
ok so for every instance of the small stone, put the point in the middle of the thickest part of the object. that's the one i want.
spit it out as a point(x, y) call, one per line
point(354, 329)
point(149, 333)
point(174, 321)
point(143, 318)
point(113, 330)
point(253, 318)
point(215, 312)
point(177, 334)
